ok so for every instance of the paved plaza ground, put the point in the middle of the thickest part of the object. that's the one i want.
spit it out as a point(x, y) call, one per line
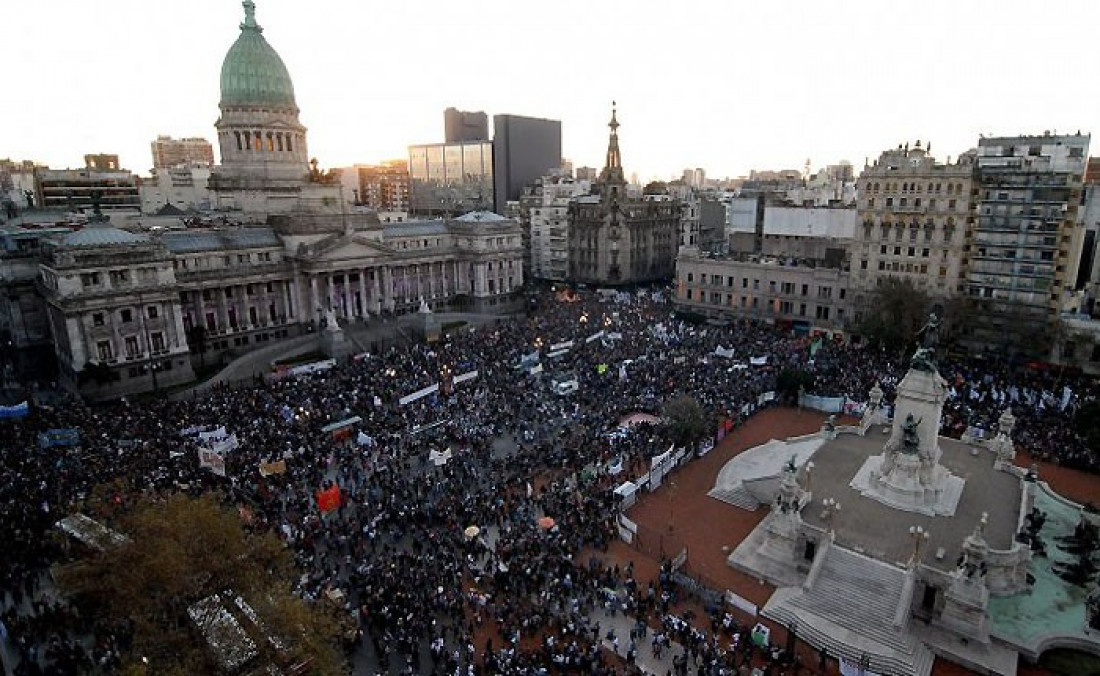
point(681, 514)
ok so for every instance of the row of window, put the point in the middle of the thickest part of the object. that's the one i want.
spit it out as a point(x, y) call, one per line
point(271, 141)
point(125, 315)
point(209, 262)
point(249, 290)
point(105, 349)
point(118, 278)
point(915, 187)
point(787, 288)
point(917, 203)
point(782, 307)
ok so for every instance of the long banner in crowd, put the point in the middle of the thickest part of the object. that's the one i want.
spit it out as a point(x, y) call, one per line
point(419, 394)
point(20, 410)
point(59, 437)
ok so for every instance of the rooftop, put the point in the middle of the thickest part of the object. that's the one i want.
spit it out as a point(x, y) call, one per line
point(190, 241)
point(100, 235)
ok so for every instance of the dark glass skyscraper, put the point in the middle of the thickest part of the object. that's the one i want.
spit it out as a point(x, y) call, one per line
point(524, 148)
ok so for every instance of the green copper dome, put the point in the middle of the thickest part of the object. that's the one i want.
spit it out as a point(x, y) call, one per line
point(253, 73)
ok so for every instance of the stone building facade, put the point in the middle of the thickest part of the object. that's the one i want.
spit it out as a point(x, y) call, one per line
point(614, 239)
point(915, 221)
point(131, 311)
point(803, 298)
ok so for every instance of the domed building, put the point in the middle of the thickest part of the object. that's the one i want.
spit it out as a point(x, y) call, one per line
point(137, 311)
point(264, 156)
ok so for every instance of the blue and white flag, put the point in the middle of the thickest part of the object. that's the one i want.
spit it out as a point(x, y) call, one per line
point(20, 410)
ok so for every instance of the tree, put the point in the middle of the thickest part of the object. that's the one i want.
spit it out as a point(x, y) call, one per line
point(196, 338)
point(896, 312)
point(790, 382)
point(182, 550)
point(687, 421)
point(96, 372)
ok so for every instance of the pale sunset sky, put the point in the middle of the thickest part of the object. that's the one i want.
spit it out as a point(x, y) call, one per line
point(726, 85)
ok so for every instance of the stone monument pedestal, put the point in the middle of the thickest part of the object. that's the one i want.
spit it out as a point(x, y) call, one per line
point(334, 343)
point(427, 325)
point(964, 608)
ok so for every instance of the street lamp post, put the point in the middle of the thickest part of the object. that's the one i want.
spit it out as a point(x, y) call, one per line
point(809, 471)
point(919, 536)
point(831, 507)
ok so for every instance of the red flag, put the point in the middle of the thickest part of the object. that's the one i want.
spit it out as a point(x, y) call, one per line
point(328, 499)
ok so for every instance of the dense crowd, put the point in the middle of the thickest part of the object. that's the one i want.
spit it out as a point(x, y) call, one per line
point(399, 546)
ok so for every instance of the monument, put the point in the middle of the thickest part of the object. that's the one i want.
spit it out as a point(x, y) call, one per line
point(333, 341)
point(915, 540)
point(908, 475)
point(426, 323)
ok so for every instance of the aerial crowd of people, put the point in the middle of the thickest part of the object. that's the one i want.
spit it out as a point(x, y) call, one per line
point(483, 559)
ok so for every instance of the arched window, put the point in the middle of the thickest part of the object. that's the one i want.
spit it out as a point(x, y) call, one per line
point(258, 141)
point(237, 135)
point(279, 140)
point(289, 145)
point(270, 142)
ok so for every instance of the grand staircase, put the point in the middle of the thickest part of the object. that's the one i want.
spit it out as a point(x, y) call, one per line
point(735, 495)
point(850, 609)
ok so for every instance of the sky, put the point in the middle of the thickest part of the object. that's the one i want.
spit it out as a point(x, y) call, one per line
point(729, 85)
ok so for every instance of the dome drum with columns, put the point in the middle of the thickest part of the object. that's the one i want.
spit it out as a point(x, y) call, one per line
point(263, 144)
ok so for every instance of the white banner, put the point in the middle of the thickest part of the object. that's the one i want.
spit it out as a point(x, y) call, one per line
point(470, 375)
point(741, 603)
point(561, 346)
point(213, 435)
point(212, 461)
point(419, 394)
point(724, 352)
point(849, 669)
point(313, 367)
point(759, 361)
point(536, 369)
point(594, 337)
point(225, 445)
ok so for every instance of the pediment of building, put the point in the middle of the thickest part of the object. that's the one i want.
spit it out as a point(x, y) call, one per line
point(346, 248)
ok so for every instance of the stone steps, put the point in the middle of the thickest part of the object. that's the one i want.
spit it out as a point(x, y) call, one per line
point(850, 611)
point(736, 496)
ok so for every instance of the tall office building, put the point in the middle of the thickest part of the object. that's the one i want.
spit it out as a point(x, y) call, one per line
point(170, 152)
point(524, 149)
point(384, 186)
point(462, 126)
point(450, 178)
point(1028, 238)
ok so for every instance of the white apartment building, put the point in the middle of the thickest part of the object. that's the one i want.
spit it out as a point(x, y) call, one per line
point(545, 208)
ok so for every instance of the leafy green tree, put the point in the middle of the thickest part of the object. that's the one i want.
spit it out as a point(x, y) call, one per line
point(181, 550)
point(896, 313)
point(790, 381)
point(687, 421)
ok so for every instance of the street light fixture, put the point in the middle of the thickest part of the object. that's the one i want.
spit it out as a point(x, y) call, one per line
point(919, 536)
point(829, 513)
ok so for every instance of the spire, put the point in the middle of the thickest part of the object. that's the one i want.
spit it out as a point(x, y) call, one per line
point(250, 17)
point(613, 168)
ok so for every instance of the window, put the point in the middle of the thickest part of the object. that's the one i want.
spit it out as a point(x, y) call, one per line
point(805, 289)
point(801, 309)
point(951, 204)
point(151, 311)
point(729, 282)
point(689, 294)
point(824, 292)
point(131, 347)
point(882, 249)
point(691, 278)
point(882, 265)
point(103, 348)
point(88, 279)
point(229, 292)
point(158, 341)
point(843, 293)
point(863, 265)
point(97, 319)
point(889, 201)
point(822, 312)
point(127, 315)
point(924, 253)
point(911, 251)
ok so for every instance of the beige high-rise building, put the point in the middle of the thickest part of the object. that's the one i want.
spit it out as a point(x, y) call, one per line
point(914, 222)
point(170, 152)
